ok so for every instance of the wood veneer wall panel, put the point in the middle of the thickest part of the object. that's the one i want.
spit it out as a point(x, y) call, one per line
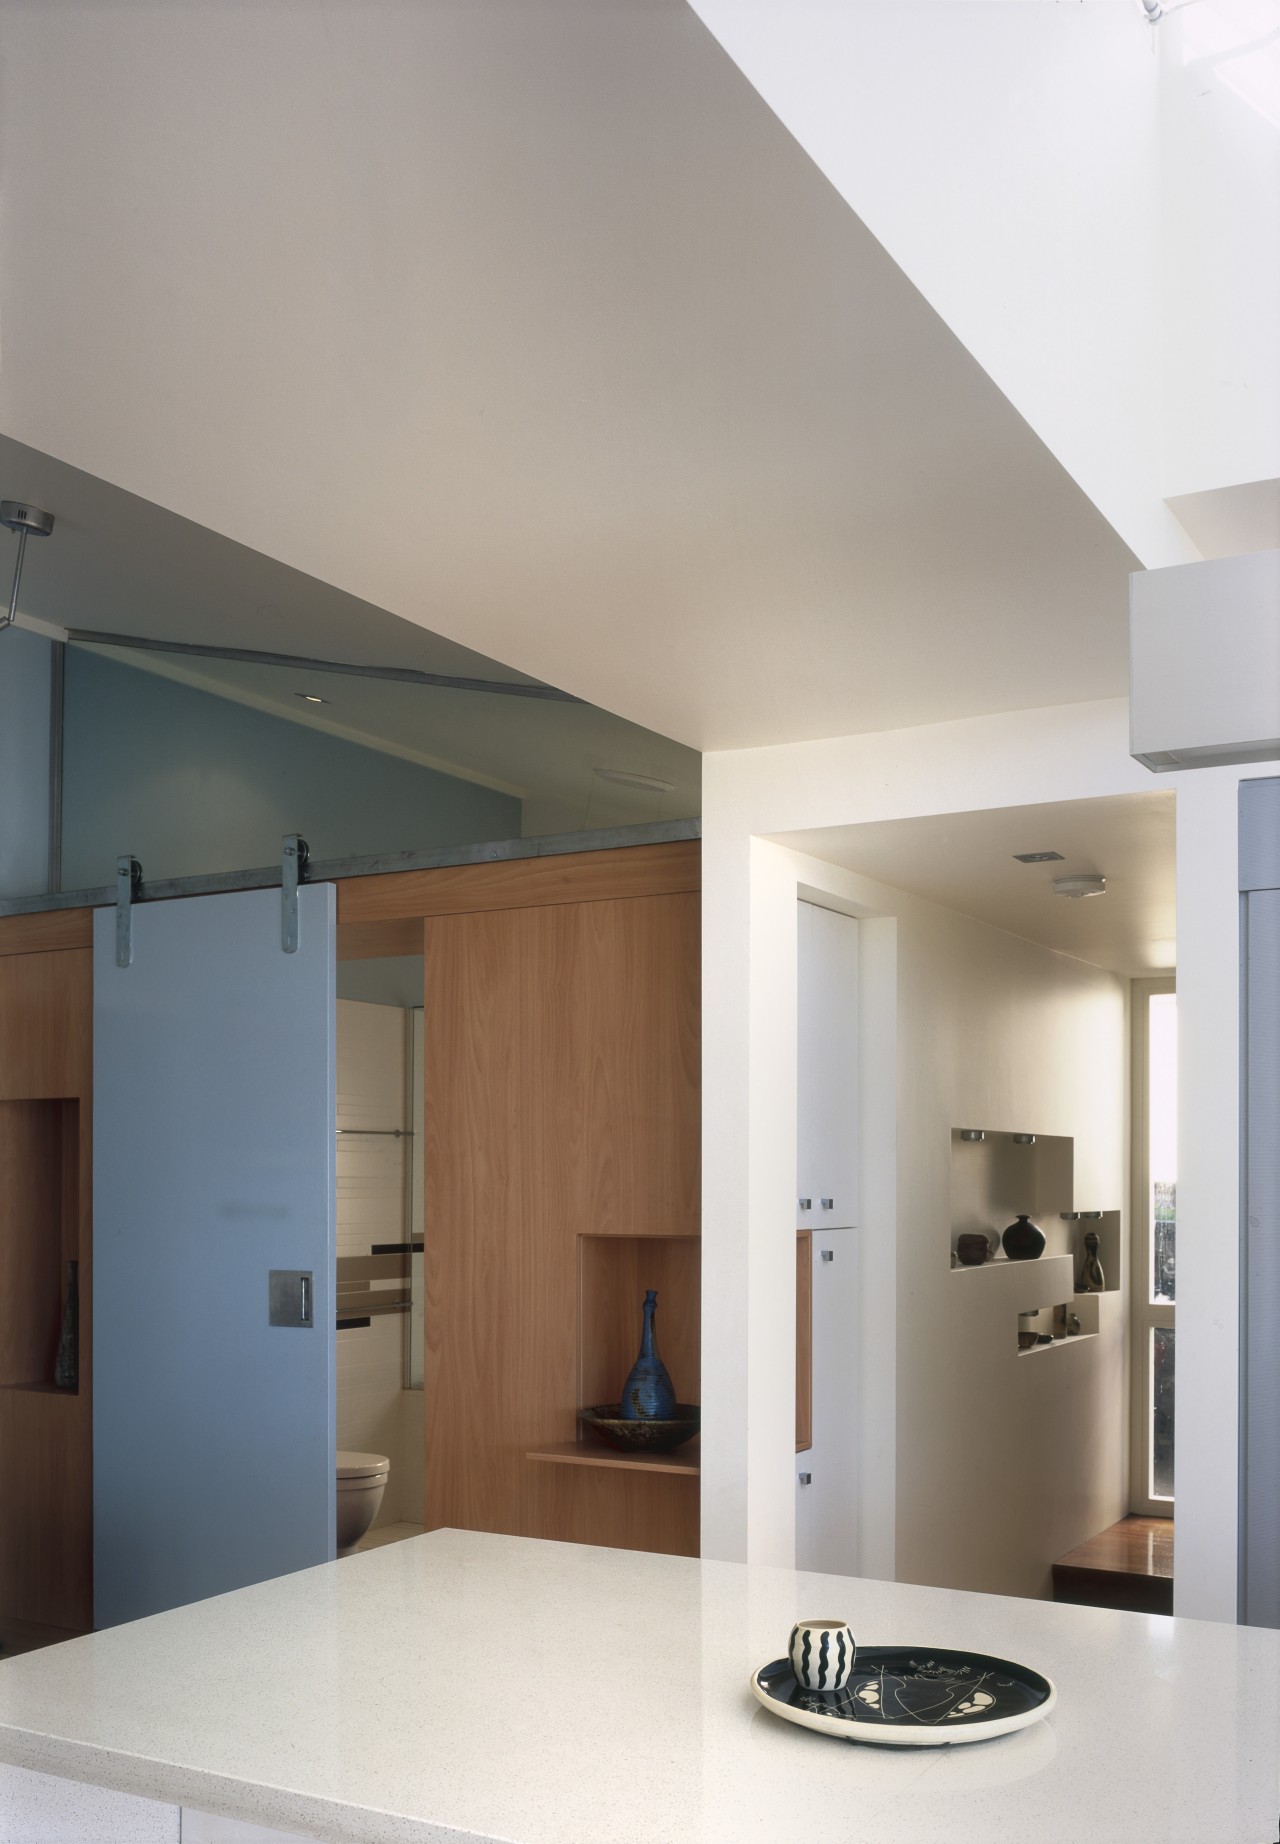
point(46, 1529)
point(46, 932)
point(522, 883)
point(46, 1007)
point(804, 1340)
point(561, 1098)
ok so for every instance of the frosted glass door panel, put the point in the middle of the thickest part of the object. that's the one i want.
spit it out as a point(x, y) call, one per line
point(213, 1165)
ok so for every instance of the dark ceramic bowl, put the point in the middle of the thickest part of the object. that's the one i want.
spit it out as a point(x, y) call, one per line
point(642, 1436)
point(973, 1250)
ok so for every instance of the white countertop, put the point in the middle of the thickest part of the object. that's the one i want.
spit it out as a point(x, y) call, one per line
point(460, 1686)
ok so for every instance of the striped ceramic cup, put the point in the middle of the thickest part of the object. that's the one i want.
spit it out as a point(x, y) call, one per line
point(822, 1654)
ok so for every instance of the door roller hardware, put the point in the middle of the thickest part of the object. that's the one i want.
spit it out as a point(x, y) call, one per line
point(128, 890)
point(293, 871)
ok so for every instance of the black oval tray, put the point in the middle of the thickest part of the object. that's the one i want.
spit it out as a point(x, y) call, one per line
point(913, 1696)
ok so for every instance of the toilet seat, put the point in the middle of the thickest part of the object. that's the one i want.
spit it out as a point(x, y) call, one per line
point(362, 1468)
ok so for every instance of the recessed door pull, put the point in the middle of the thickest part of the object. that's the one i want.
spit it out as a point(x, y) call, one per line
point(806, 1203)
point(805, 1478)
point(828, 1254)
point(828, 1203)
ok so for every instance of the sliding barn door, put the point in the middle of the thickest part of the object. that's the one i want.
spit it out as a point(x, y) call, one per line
point(213, 1170)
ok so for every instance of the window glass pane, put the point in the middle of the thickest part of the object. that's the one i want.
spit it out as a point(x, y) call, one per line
point(1162, 1142)
point(1162, 1412)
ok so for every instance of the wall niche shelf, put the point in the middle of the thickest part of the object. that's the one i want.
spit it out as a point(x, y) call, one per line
point(40, 1234)
point(1076, 1338)
point(613, 1275)
point(683, 1463)
point(46, 1433)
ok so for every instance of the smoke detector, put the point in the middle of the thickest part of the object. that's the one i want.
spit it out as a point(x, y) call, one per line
point(1078, 884)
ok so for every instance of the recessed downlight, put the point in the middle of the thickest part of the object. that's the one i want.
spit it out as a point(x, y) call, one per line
point(628, 778)
point(1038, 857)
point(310, 698)
point(1078, 884)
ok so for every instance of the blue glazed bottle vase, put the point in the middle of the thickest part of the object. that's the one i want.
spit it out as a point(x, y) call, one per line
point(648, 1394)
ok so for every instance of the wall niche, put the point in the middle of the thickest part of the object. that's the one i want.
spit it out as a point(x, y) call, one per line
point(1000, 1175)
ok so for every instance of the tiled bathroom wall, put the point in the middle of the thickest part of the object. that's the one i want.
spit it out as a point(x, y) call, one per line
point(376, 1413)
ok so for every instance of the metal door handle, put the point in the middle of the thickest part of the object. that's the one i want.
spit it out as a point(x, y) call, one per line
point(806, 1203)
point(828, 1203)
point(805, 1478)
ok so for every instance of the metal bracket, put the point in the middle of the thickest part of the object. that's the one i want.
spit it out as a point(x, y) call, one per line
point(128, 890)
point(293, 871)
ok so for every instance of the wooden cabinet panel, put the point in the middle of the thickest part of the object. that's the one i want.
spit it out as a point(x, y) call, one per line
point(804, 1341)
point(561, 1099)
point(46, 1529)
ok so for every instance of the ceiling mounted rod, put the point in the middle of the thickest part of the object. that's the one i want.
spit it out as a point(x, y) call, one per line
point(404, 675)
point(25, 520)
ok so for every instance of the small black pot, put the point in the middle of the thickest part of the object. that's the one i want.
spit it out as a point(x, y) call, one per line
point(973, 1250)
point(1022, 1241)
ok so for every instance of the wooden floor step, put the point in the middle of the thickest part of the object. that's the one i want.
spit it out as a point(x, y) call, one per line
point(1129, 1566)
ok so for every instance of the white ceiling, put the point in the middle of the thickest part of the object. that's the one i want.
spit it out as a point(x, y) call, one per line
point(966, 861)
point(116, 563)
point(577, 359)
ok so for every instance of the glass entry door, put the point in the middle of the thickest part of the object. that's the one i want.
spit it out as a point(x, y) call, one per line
point(1155, 1223)
point(214, 1249)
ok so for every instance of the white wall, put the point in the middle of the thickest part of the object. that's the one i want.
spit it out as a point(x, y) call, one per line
point(1007, 158)
point(1220, 293)
point(1090, 205)
point(754, 796)
point(1002, 1463)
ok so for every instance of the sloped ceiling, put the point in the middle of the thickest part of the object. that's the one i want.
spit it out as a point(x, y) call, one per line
point(532, 325)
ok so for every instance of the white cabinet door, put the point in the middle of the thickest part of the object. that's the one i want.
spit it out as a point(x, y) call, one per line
point(827, 1505)
point(827, 1076)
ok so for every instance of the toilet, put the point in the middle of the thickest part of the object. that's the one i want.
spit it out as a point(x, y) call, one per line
point(362, 1479)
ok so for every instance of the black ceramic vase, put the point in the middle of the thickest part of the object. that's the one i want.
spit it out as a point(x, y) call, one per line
point(1092, 1279)
point(647, 1394)
point(1022, 1241)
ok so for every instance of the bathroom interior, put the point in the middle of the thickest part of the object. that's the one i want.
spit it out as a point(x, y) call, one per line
point(379, 1220)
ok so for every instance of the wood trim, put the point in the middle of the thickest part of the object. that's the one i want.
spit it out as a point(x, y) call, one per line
point(47, 931)
point(523, 883)
point(804, 1340)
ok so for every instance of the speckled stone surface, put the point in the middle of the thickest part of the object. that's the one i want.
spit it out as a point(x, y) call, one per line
point(354, 1702)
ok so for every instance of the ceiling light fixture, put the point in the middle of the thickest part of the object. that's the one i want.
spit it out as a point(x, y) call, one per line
point(310, 698)
point(27, 521)
point(1039, 857)
point(1080, 883)
point(627, 778)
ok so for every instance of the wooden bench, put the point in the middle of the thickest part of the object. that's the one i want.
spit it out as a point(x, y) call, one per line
point(1129, 1566)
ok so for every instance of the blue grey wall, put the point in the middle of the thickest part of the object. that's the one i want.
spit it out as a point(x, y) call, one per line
point(24, 762)
point(189, 783)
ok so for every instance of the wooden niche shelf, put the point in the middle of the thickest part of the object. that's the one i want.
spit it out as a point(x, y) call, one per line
point(44, 1430)
point(614, 1273)
point(39, 1234)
